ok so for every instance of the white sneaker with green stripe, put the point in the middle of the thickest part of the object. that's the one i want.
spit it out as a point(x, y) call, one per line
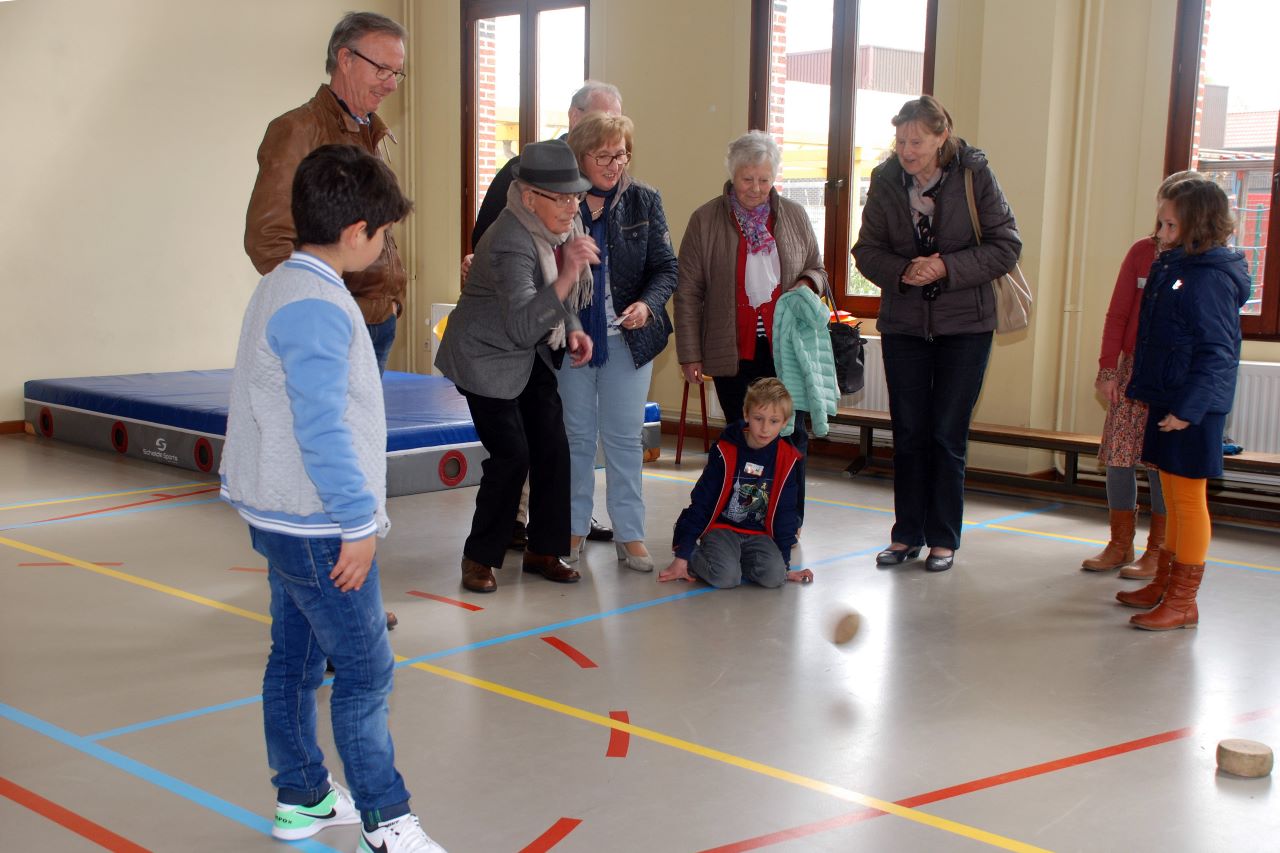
point(295, 822)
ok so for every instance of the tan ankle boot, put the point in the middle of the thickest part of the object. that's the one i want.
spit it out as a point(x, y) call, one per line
point(1178, 609)
point(1144, 568)
point(1119, 550)
point(1149, 596)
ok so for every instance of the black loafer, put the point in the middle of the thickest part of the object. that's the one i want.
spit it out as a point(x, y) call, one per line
point(599, 532)
point(939, 564)
point(896, 556)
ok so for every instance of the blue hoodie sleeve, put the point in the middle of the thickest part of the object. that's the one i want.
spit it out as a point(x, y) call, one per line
point(702, 506)
point(786, 520)
point(312, 338)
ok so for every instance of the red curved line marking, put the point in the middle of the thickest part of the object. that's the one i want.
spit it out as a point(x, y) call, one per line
point(570, 652)
point(976, 785)
point(552, 836)
point(99, 835)
point(247, 569)
point(433, 597)
point(619, 741)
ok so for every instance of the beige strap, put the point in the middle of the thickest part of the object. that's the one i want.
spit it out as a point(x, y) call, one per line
point(973, 208)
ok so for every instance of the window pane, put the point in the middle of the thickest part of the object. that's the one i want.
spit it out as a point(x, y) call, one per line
point(888, 73)
point(562, 42)
point(497, 107)
point(800, 101)
point(1234, 140)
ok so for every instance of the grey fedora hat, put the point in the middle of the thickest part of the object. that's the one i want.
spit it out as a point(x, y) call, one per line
point(550, 166)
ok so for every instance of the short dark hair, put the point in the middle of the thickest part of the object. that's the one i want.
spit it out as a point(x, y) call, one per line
point(338, 185)
point(1203, 211)
point(355, 26)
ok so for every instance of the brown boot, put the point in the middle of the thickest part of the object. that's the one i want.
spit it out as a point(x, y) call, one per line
point(1149, 596)
point(1144, 568)
point(1178, 609)
point(550, 567)
point(1119, 550)
point(477, 577)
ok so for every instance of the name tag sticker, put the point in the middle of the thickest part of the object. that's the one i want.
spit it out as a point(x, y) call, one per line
point(753, 470)
point(1142, 284)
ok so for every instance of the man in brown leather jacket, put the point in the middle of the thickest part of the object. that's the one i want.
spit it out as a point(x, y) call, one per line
point(365, 64)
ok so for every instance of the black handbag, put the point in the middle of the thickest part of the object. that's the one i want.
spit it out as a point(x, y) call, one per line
point(849, 348)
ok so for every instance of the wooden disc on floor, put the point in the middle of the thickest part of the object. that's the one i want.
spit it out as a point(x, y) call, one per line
point(1246, 758)
point(847, 627)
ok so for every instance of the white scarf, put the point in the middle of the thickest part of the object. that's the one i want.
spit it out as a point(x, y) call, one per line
point(545, 242)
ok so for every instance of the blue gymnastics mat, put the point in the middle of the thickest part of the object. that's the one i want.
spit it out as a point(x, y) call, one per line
point(180, 419)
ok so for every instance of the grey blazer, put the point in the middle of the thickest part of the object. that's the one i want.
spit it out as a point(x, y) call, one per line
point(503, 317)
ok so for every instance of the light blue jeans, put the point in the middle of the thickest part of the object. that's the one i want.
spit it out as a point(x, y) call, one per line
point(311, 620)
point(609, 402)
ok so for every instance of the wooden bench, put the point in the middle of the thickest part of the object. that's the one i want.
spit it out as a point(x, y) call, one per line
point(1071, 445)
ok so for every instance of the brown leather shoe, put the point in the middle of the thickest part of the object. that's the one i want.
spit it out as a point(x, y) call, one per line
point(550, 567)
point(477, 577)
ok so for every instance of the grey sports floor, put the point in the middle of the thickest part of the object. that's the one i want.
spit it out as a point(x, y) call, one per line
point(1003, 705)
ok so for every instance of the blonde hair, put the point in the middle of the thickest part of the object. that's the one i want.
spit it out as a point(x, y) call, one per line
point(768, 392)
point(596, 129)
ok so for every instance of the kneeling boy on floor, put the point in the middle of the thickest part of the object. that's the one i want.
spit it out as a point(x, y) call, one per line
point(741, 520)
point(305, 465)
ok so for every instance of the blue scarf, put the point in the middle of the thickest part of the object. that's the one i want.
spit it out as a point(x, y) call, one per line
point(593, 316)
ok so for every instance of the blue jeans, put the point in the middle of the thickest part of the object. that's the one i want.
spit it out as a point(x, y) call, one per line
point(383, 336)
point(311, 620)
point(607, 401)
point(725, 558)
point(933, 387)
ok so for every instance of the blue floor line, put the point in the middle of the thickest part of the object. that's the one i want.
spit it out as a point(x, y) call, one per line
point(161, 780)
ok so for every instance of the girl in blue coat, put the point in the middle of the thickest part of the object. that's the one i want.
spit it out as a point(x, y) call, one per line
point(1185, 365)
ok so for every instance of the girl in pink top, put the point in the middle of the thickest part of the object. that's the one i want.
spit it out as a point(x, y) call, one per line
point(1126, 420)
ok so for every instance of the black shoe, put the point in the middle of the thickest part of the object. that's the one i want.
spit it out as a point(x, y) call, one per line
point(939, 564)
point(519, 537)
point(600, 533)
point(895, 556)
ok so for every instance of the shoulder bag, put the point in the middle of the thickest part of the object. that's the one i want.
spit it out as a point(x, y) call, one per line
point(849, 348)
point(1013, 294)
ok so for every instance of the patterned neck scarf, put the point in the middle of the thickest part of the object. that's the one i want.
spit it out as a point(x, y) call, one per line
point(754, 224)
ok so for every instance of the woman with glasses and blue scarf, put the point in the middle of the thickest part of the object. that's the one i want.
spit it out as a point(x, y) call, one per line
point(937, 315)
point(741, 251)
point(626, 318)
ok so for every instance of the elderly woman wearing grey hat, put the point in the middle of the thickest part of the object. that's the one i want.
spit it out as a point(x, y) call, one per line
point(740, 252)
point(515, 320)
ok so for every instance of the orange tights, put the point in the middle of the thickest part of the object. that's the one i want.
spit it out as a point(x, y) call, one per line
point(1187, 532)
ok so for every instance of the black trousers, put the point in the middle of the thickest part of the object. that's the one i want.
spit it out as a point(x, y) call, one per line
point(732, 393)
point(524, 437)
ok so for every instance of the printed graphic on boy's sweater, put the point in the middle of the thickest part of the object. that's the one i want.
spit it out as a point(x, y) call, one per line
point(749, 503)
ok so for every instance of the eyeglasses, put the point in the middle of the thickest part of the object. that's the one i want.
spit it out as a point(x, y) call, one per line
point(383, 71)
point(621, 159)
point(564, 200)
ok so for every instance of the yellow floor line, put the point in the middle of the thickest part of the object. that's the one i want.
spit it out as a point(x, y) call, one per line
point(150, 489)
point(586, 716)
point(137, 581)
point(1066, 538)
point(929, 820)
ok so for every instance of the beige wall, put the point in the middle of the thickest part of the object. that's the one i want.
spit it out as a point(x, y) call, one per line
point(121, 251)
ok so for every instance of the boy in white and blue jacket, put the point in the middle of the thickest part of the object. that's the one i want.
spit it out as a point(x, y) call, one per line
point(305, 465)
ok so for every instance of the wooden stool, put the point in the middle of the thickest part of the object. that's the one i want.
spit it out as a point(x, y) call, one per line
point(684, 407)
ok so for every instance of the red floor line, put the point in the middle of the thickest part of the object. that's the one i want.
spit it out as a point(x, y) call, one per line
point(619, 741)
point(463, 604)
point(552, 836)
point(570, 652)
point(123, 506)
point(99, 835)
point(247, 569)
point(940, 794)
point(33, 565)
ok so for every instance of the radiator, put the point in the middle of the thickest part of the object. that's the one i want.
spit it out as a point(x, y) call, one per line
point(1254, 422)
